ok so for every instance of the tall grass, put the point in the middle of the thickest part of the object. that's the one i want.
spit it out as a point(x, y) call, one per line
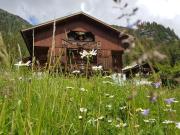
point(56, 104)
point(4, 57)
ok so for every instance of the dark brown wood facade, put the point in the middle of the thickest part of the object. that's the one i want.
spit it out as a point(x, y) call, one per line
point(74, 34)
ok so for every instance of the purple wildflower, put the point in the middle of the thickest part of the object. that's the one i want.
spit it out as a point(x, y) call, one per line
point(145, 112)
point(157, 84)
point(170, 100)
point(153, 99)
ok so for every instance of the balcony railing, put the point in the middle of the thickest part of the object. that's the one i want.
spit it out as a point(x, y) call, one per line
point(83, 44)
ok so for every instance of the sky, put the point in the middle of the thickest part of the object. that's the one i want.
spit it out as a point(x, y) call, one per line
point(166, 12)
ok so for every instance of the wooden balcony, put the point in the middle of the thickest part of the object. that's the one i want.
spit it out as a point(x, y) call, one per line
point(80, 44)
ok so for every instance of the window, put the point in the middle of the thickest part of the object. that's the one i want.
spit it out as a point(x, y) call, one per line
point(81, 36)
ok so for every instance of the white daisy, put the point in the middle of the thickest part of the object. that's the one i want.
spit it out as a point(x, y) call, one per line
point(83, 89)
point(83, 110)
point(76, 72)
point(112, 96)
point(80, 117)
point(100, 118)
point(109, 121)
point(121, 125)
point(97, 68)
point(123, 107)
point(168, 122)
point(109, 106)
point(150, 121)
point(178, 125)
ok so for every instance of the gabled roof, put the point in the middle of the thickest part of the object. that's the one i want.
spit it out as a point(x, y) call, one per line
point(27, 33)
point(69, 16)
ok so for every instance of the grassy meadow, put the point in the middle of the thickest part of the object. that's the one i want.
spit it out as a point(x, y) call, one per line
point(73, 105)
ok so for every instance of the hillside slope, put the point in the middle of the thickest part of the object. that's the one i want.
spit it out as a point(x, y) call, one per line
point(10, 26)
point(154, 42)
point(156, 32)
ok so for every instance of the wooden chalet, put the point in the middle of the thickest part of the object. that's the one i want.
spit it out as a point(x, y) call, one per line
point(72, 35)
